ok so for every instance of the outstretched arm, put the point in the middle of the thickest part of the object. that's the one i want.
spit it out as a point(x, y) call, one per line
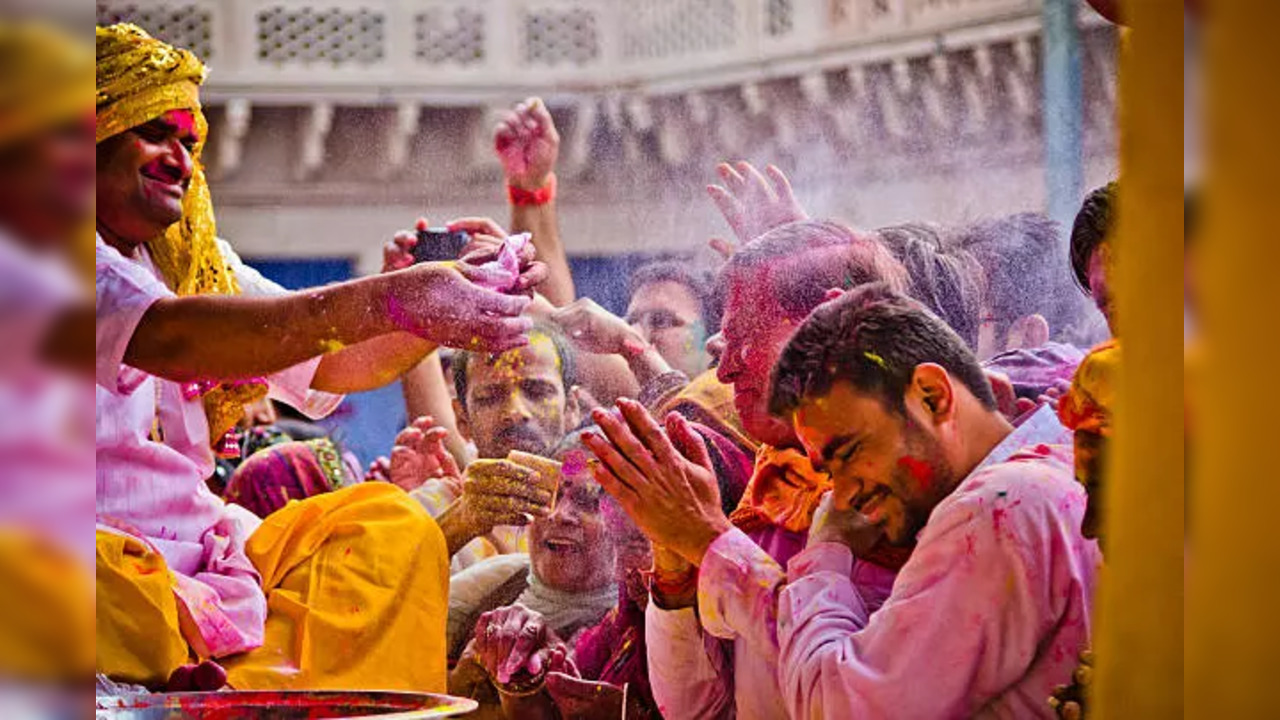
point(199, 337)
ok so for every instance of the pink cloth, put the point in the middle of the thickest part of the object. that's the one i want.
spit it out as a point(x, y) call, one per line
point(695, 674)
point(717, 671)
point(45, 446)
point(500, 273)
point(156, 489)
point(987, 616)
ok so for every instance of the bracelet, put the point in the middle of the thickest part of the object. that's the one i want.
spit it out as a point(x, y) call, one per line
point(541, 196)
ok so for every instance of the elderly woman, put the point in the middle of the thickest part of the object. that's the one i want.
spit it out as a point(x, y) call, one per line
point(577, 600)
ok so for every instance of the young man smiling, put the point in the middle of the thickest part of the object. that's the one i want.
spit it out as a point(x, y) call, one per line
point(991, 610)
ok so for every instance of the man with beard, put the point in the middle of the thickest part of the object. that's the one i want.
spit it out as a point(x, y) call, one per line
point(994, 604)
point(521, 400)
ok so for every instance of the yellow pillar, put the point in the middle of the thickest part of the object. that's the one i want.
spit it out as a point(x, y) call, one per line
point(1233, 549)
point(1139, 620)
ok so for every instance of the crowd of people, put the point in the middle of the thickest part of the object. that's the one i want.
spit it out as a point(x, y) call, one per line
point(845, 472)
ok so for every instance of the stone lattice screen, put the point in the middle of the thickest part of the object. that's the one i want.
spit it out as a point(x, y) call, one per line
point(660, 29)
point(188, 26)
point(449, 34)
point(334, 36)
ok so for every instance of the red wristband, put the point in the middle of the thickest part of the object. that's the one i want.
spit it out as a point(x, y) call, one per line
point(541, 196)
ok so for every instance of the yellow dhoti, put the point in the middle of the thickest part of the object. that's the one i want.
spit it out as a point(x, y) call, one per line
point(357, 595)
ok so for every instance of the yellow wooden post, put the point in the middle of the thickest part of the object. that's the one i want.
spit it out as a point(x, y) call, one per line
point(1233, 552)
point(1138, 635)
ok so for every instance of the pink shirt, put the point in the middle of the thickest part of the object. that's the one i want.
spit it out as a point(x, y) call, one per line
point(695, 674)
point(987, 616)
point(156, 490)
point(45, 429)
point(719, 668)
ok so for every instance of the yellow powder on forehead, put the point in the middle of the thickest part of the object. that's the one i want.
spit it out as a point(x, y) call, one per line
point(514, 360)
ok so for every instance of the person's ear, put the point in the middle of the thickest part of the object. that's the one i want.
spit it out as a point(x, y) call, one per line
point(931, 396)
point(464, 424)
point(1028, 331)
point(572, 409)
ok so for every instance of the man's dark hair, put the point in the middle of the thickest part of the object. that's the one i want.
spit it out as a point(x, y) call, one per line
point(801, 286)
point(946, 279)
point(1025, 274)
point(568, 365)
point(1091, 229)
point(874, 338)
point(697, 283)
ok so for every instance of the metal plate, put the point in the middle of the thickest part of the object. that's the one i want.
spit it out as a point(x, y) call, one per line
point(282, 705)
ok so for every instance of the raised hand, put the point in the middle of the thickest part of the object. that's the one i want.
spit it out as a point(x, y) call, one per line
point(419, 455)
point(527, 144)
point(662, 477)
point(513, 641)
point(752, 203)
point(494, 492)
point(596, 330)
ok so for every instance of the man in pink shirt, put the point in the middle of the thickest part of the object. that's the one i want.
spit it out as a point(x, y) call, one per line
point(994, 605)
point(991, 609)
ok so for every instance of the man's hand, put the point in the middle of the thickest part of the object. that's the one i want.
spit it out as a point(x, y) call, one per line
point(843, 525)
point(751, 203)
point(419, 455)
point(441, 302)
point(494, 492)
point(397, 254)
point(597, 330)
point(487, 238)
point(527, 144)
point(664, 480)
point(513, 639)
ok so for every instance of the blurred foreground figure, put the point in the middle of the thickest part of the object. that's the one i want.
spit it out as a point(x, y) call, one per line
point(994, 604)
point(296, 600)
point(46, 401)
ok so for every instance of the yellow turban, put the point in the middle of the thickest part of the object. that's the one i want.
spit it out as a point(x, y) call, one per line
point(44, 77)
point(139, 79)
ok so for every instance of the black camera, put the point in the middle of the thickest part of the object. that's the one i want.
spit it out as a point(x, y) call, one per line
point(439, 244)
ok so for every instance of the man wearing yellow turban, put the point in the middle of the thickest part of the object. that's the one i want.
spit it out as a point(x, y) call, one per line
point(344, 590)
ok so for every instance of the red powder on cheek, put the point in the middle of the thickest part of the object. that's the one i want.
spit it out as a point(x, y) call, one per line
point(918, 469)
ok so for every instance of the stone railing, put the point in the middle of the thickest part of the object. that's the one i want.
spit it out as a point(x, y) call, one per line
point(287, 51)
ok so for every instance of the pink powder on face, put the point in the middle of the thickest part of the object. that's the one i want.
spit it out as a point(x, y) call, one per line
point(918, 469)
